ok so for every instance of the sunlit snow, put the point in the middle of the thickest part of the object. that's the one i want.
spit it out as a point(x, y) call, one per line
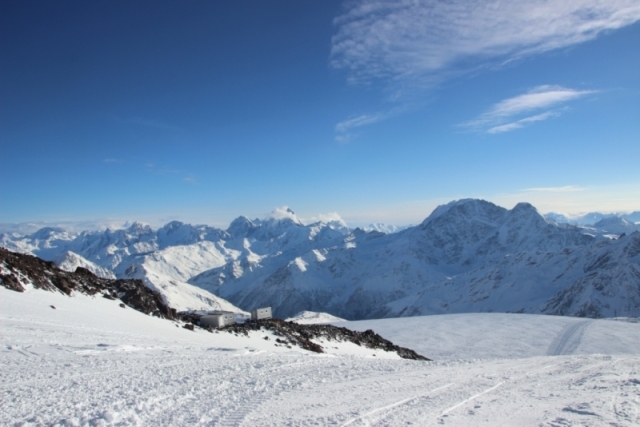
point(90, 362)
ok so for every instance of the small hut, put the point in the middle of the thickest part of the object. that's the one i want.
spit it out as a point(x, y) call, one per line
point(218, 319)
point(261, 313)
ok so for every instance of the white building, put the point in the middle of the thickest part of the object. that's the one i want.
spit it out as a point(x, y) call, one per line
point(218, 319)
point(261, 313)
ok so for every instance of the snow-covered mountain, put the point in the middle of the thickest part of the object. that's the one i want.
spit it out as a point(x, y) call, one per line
point(167, 258)
point(372, 275)
point(70, 261)
point(616, 225)
point(591, 218)
point(468, 255)
point(313, 318)
point(384, 228)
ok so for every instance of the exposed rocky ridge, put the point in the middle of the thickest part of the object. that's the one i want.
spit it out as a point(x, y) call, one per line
point(609, 286)
point(20, 270)
point(292, 333)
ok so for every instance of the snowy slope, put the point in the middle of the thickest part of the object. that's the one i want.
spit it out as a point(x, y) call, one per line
point(314, 318)
point(505, 335)
point(69, 261)
point(599, 280)
point(89, 362)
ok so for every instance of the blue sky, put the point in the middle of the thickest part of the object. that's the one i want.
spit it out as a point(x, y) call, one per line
point(375, 110)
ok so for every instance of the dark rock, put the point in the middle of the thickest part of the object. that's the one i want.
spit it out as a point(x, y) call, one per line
point(19, 269)
point(301, 336)
point(188, 326)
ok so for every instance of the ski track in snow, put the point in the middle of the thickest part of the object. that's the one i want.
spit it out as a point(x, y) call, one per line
point(74, 366)
point(568, 340)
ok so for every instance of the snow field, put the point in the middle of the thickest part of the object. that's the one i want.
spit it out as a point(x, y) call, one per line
point(89, 362)
point(314, 318)
point(504, 335)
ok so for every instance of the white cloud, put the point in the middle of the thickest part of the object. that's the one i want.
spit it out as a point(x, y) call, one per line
point(283, 212)
point(418, 42)
point(537, 98)
point(522, 122)
point(344, 129)
point(326, 218)
point(564, 189)
point(364, 119)
point(191, 179)
point(506, 115)
point(572, 199)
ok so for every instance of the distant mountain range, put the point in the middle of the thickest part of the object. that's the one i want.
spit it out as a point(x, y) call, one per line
point(592, 218)
point(467, 256)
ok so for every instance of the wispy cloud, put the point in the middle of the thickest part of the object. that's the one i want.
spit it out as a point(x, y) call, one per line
point(111, 160)
point(522, 122)
point(418, 40)
point(191, 179)
point(412, 45)
point(344, 129)
point(563, 189)
point(540, 97)
point(507, 115)
point(356, 122)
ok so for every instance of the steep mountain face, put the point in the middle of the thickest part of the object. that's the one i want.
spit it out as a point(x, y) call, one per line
point(69, 261)
point(442, 265)
point(468, 255)
point(616, 225)
point(177, 233)
point(609, 286)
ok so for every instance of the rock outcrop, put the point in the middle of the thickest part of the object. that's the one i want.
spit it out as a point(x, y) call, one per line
point(18, 271)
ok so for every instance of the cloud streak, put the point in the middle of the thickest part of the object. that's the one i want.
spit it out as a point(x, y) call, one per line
point(507, 115)
point(344, 129)
point(563, 189)
point(362, 120)
point(419, 42)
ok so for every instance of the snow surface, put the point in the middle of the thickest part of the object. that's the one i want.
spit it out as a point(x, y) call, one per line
point(89, 362)
point(505, 335)
point(313, 318)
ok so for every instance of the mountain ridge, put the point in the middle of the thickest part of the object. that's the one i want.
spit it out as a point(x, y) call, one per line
point(467, 245)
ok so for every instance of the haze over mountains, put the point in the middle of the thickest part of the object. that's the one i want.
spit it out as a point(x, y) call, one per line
point(467, 256)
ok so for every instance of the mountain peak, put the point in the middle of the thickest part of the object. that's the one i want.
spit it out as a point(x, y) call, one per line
point(284, 214)
point(241, 227)
point(467, 208)
point(139, 228)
